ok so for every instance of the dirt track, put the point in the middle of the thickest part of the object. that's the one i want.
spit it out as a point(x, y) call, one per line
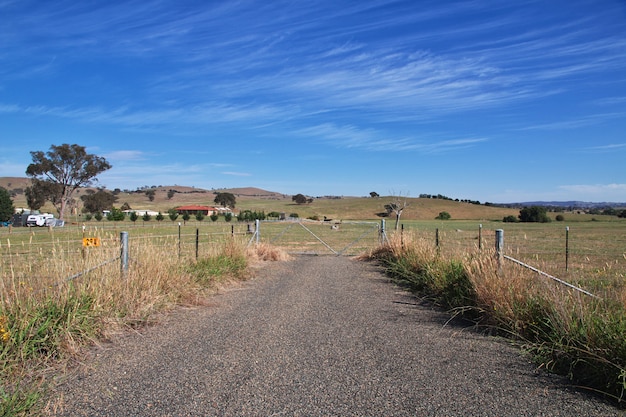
point(316, 336)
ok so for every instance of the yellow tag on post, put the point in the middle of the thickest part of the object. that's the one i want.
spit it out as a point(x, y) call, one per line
point(91, 241)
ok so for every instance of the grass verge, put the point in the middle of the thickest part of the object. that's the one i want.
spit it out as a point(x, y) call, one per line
point(566, 332)
point(45, 320)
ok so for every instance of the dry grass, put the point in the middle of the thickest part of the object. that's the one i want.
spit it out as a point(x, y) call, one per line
point(267, 252)
point(566, 331)
point(49, 312)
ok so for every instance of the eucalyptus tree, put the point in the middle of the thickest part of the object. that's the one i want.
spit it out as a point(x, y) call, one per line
point(56, 174)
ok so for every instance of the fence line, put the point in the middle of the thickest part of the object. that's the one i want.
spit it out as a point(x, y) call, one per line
point(525, 265)
point(470, 238)
point(499, 247)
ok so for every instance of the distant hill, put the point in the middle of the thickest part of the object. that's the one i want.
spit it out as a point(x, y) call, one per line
point(14, 183)
point(253, 195)
point(567, 204)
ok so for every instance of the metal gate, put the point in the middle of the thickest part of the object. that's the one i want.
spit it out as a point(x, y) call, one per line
point(345, 238)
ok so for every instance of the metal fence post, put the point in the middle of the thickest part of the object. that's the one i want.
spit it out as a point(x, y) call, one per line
point(566, 248)
point(257, 230)
point(499, 246)
point(178, 240)
point(197, 241)
point(124, 253)
point(382, 231)
point(480, 237)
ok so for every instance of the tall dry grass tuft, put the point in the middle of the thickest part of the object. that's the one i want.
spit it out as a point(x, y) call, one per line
point(266, 252)
point(566, 331)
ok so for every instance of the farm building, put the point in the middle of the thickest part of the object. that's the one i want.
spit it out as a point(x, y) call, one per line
point(206, 210)
point(141, 212)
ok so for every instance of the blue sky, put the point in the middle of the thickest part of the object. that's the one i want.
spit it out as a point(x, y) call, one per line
point(485, 100)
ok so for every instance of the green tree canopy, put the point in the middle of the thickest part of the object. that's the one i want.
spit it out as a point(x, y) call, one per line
point(39, 192)
point(534, 214)
point(116, 215)
point(98, 201)
point(63, 169)
point(299, 199)
point(225, 200)
point(6, 205)
point(172, 214)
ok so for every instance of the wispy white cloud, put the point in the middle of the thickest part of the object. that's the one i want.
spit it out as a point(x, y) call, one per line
point(208, 113)
point(587, 120)
point(237, 174)
point(126, 155)
point(348, 136)
point(608, 148)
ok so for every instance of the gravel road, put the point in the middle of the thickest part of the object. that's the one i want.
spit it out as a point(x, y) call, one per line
point(314, 336)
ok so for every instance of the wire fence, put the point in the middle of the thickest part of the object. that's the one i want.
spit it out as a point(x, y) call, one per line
point(592, 255)
point(585, 252)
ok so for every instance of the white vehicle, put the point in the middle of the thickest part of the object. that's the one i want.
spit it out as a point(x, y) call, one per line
point(40, 220)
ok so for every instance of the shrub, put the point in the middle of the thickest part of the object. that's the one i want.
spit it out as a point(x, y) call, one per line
point(510, 219)
point(250, 216)
point(559, 218)
point(534, 214)
point(444, 215)
point(116, 215)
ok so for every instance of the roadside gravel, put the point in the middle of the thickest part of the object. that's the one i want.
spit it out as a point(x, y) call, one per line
point(314, 336)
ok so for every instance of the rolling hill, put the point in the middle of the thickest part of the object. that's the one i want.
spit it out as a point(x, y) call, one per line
point(252, 198)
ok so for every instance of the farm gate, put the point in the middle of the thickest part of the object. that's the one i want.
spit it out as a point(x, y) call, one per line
point(345, 238)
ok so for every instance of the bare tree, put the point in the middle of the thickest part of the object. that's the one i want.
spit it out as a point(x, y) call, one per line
point(397, 205)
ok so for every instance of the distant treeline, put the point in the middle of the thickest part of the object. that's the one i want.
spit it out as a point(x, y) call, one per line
point(443, 197)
